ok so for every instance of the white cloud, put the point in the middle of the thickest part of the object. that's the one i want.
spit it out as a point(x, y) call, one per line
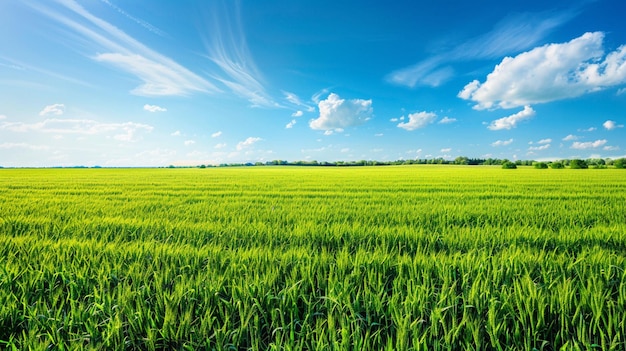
point(189, 142)
point(512, 120)
point(539, 148)
point(216, 134)
point(610, 148)
point(159, 79)
point(24, 146)
point(160, 74)
point(337, 113)
point(590, 129)
point(446, 150)
point(121, 131)
point(550, 72)
point(154, 108)
point(588, 145)
point(53, 110)
point(140, 22)
point(570, 137)
point(544, 141)
point(3, 117)
point(290, 124)
point(610, 125)
point(297, 114)
point(418, 120)
point(378, 134)
point(621, 91)
point(176, 133)
point(512, 34)
point(226, 44)
point(220, 146)
point(294, 99)
point(502, 143)
point(248, 142)
point(447, 120)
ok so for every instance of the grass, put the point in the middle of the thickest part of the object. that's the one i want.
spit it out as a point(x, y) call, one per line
point(288, 258)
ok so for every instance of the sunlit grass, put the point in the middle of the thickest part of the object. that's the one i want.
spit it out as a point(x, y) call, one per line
point(367, 258)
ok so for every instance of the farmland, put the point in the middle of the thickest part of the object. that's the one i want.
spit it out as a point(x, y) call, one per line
point(313, 258)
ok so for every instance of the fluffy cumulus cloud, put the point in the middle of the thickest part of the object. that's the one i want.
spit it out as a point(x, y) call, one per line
point(290, 124)
point(447, 120)
point(216, 134)
point(512, 120)
point(570, 137)
point(417, 120)
point(588, 145)
point(539, 148)
point(297, 114)
point(154, 108)
point(337, 113)
point(550, 72)
point(610, 125)
point(53, 110)
point(248, 142)
point(544, 141)
point(502, 143)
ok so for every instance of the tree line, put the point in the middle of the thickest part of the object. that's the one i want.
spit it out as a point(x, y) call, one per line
point(461, 160)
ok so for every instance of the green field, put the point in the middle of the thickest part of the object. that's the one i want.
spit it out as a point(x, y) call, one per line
point(313, 258)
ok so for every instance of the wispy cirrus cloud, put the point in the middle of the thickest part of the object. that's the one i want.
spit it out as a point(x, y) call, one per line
point(108, 44)
point(226, 46)
point(126, 131)
point(9, 146)
point(295, 100)
point(139, 21)
point(511, 35)
point(54, 109)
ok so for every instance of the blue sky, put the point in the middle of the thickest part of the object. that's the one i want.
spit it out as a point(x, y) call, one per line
point(154, 83)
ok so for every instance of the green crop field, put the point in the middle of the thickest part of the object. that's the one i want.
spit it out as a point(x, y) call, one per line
point(313, 258)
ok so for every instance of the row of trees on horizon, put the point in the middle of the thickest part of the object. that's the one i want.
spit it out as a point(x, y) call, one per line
point(461, 160)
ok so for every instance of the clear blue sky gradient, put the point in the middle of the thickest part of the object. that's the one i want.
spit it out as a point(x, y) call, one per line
point(154, 83)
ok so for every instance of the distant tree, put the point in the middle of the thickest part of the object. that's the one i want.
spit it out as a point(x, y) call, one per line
point(508, 165)
point(620, 163)
point(578, 164)
point(461, 160)
point(540, 165)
